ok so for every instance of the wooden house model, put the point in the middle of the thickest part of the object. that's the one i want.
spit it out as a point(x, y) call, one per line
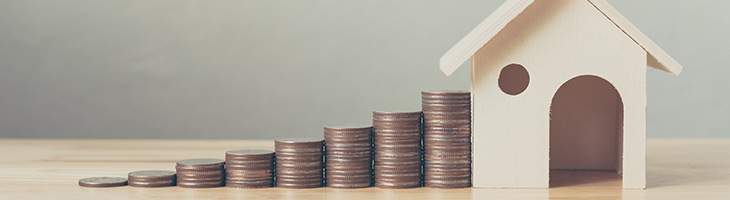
point(557, 85)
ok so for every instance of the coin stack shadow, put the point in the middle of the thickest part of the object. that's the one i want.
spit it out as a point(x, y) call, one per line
point(348, 156)
point(200, 173)
point(249, 168)
point(397, 141)
point(151, 178)
point(299, 163)
point(447, 139)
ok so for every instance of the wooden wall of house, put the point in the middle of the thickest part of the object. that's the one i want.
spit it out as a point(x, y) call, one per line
point(555, 41)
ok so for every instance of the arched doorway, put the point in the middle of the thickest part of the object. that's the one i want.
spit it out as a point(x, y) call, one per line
point(586, 131)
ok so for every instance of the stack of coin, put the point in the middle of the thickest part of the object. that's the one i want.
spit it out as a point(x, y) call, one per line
point(348, 157)
point(200, 173)
point(447, 139)
point(397, 149)
point(151, 178)
point(249, 168)
point(299, 162)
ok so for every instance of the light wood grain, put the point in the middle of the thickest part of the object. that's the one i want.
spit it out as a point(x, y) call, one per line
point(512, 9)
point(658, 58)
point(482, 33)
point(555, 41)
point(50, 169)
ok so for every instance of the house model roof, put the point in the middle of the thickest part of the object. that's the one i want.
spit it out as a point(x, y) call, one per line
point(498, 20)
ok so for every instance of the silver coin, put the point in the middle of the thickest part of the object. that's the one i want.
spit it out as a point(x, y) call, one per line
point(249, 152)
point(349, 127)
point(447, 92)
point(299, 140)
point(201, 161)
point(152, 174)
point(102, 182)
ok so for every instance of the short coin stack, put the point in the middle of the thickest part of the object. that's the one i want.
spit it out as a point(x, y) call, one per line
point(200, 173)
point(249, 168)
point(447, 139)
point(299, 162)
point(151, 178)
point(348, 157)
point(397, 141)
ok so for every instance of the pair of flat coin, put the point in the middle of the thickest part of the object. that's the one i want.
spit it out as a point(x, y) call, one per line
point(119, 181)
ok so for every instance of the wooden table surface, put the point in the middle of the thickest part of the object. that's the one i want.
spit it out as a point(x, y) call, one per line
point(50, 169)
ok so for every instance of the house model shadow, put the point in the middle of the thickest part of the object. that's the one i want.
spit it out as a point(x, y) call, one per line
point(557, 85)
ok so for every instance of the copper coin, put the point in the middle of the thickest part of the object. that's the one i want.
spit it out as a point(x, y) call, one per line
point(250, 167)
point(395, 121)
point(249, 179)
point(298, 150)
point(251, 176)
point(446, 97)
point(298, 180)
point(201, 180)
point(349, 185)
point(300, 176)
point(446, 108)
point(348, 168)
point(387, 171)
point(246, 185)
point(397, 185)
point(354, 146)
point(447, 186)
point(445, 101)
point(441, 117)
point(199, 185)
point(152, 184)
point(289, 172)
point(364, 138)
point(447, 113)
point(298, 186)
point(218, 173)
point(399, 113)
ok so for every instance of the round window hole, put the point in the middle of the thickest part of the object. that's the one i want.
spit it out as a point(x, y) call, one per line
point(514, 79)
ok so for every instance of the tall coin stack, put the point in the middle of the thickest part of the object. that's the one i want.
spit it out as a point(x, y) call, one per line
point(397, 141)
point(200, 173)
point(447, 139)
point(299, 162)
point(249, 168)
point(348, 156)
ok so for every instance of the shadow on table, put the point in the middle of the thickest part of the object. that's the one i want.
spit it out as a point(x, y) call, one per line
point(571, 178)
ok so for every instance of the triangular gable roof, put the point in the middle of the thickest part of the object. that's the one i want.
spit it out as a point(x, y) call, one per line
point(490, 27)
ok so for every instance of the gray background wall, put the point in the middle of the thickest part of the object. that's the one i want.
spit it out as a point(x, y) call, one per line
point(183, 69)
